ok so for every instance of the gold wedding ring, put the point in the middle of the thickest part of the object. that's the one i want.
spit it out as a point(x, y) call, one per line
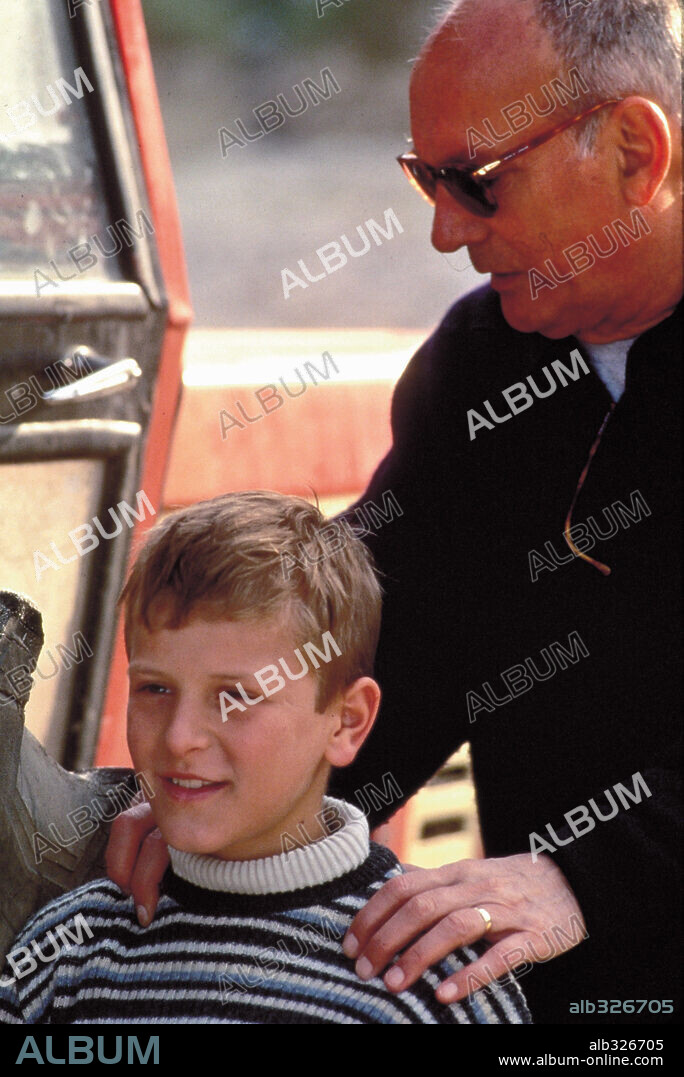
point(486, 917)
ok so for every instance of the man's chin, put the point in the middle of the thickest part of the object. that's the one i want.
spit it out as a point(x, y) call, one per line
point(528, 316)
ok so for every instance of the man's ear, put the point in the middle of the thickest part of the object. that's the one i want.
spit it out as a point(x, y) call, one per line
point(354, 711)
point(643, 139)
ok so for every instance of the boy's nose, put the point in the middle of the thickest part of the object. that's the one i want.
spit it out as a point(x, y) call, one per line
point(188, 729)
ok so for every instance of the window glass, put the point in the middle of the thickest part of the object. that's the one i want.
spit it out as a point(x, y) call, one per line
point(55, 224)
point(40, 503)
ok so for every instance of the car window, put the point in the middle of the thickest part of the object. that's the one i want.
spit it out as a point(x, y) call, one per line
point(52, 191)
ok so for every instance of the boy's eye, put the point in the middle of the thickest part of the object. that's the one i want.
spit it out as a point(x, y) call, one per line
point(153, 689)
point(240, 696)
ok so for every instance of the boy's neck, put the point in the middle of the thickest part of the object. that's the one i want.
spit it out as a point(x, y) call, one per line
point(305, 863)
point(326, 821)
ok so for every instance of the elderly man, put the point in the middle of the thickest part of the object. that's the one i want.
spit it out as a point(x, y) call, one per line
point(532, 581)
point(514, 547)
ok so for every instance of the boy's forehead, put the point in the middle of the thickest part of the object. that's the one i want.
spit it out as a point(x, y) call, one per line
point(207, 625)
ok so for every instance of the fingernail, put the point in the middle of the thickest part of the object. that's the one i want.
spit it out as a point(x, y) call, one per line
point(394, 977)
point(143, 915)
point(447, 993)
point(350, 946)
point(364, 969)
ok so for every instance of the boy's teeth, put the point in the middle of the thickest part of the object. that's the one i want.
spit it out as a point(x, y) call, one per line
point(190, 783)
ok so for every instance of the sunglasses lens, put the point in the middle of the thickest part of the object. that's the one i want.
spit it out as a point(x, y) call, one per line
point(469, 194)
point(420, 177)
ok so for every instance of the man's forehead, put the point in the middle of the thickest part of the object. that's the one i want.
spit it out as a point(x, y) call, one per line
point(468, 72)
point(492, 27)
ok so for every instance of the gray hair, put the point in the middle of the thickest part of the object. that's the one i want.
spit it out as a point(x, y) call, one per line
point(620, 47)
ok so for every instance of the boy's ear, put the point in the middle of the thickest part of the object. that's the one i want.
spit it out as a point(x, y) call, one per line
point(355, 710)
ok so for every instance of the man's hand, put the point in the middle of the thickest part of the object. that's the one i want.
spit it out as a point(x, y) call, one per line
point(137, 857)
point(534, 915)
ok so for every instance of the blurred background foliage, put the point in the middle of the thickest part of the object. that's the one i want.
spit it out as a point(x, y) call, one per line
point(247, 31)
point(252, 210)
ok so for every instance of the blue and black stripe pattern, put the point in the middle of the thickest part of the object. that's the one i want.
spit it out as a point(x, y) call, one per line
point(213, 957)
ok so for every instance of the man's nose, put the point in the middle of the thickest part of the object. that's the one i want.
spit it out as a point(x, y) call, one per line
point(455, 226)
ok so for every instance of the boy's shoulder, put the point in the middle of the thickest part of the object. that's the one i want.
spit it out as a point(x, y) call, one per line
point(55, 946)
point(100, 898)
point(381, 865)
point(499, 1002)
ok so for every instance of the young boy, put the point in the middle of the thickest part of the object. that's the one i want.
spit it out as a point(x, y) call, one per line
point(248, 682)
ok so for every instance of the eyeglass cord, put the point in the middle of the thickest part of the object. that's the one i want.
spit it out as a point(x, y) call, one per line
point(604, 569)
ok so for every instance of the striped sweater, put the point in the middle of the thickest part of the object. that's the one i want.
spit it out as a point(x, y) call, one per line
point(252, 942)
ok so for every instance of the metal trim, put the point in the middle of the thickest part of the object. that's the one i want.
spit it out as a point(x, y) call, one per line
point(71, 438)
point(90, 299)
point(120, 132)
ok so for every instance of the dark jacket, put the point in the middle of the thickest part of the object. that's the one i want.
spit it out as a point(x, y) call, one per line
point(461, 607)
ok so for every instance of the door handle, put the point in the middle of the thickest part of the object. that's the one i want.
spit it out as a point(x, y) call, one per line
point(106, 377)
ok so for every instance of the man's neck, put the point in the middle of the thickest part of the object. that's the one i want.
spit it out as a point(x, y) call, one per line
point(652, 296)
point(611, 331)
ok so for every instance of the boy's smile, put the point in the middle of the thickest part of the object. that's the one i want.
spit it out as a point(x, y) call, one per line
point(189, 787)
point(230, 789)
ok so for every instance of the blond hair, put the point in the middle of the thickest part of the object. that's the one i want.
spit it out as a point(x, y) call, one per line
point(225, 557)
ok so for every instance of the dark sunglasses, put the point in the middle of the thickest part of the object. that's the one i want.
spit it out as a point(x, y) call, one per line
point(470, 186)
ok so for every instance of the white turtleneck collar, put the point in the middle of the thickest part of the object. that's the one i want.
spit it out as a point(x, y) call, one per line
point(320, 862)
